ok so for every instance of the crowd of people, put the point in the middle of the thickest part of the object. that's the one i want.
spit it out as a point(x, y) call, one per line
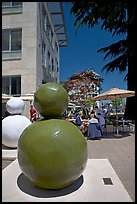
point(91, 126)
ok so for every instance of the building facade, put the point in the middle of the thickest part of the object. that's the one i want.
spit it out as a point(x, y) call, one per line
point(32, 34)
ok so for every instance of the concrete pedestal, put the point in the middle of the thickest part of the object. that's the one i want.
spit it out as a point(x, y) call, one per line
point(9, 154)
point(99, 183)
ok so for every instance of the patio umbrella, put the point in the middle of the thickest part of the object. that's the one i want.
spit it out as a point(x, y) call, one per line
point(115, 94)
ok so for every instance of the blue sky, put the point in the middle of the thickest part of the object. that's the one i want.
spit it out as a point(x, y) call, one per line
point(81, 53)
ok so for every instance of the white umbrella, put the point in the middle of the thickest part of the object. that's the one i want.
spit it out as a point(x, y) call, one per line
point(115, 94)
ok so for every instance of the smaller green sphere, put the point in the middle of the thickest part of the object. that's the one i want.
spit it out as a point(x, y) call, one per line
point(51, 100)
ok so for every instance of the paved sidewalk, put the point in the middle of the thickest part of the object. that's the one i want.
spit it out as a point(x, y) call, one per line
point(121, 154)
point(119, 151)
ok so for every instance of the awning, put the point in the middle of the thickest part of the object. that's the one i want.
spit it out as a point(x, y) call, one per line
point(57, 15)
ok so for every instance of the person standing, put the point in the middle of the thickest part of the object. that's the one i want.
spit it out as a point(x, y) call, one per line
point(98, 110)
point(78, 121)
point(100, 114)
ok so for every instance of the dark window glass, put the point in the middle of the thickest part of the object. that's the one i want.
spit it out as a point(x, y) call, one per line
point(16, 4)
point(11, 85)
point(11, 40)
point(16, 40)
point(52, 65)
point(5, 40)
point(5, 85)
point(11, 4)
point(15, 85)
point(6, 4)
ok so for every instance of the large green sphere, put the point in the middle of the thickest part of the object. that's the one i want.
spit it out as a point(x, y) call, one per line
point(52, 153)
point(51, 100)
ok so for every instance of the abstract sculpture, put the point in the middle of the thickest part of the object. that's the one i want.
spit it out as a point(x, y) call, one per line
point(52, 153)
point(14, 124)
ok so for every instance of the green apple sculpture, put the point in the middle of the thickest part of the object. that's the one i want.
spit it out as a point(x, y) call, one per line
point(52, 153)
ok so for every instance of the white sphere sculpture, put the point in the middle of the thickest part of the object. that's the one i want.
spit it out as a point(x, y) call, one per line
point(15, 105)
point(13, 125)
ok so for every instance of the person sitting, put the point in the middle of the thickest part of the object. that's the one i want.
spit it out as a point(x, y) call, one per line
point(94, 128)
point(33, 114)
point(78, 121)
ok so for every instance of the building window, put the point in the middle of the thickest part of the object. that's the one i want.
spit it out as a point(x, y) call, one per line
point(11, 7)
point(11, 85)
point(52, 65)
point(49, 62)
point(56, 46)
point(57, 65)
point(49, 30)
point(44, 61)
point(44, 19)
point(57, 69)
point(11, 43)
point(48, 26)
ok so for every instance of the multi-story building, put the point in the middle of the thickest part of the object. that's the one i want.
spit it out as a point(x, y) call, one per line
point(32, 34)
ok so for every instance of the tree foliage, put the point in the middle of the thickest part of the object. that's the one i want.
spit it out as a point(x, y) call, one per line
point(90, 102)
point(119, 52)
point(113, 15)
